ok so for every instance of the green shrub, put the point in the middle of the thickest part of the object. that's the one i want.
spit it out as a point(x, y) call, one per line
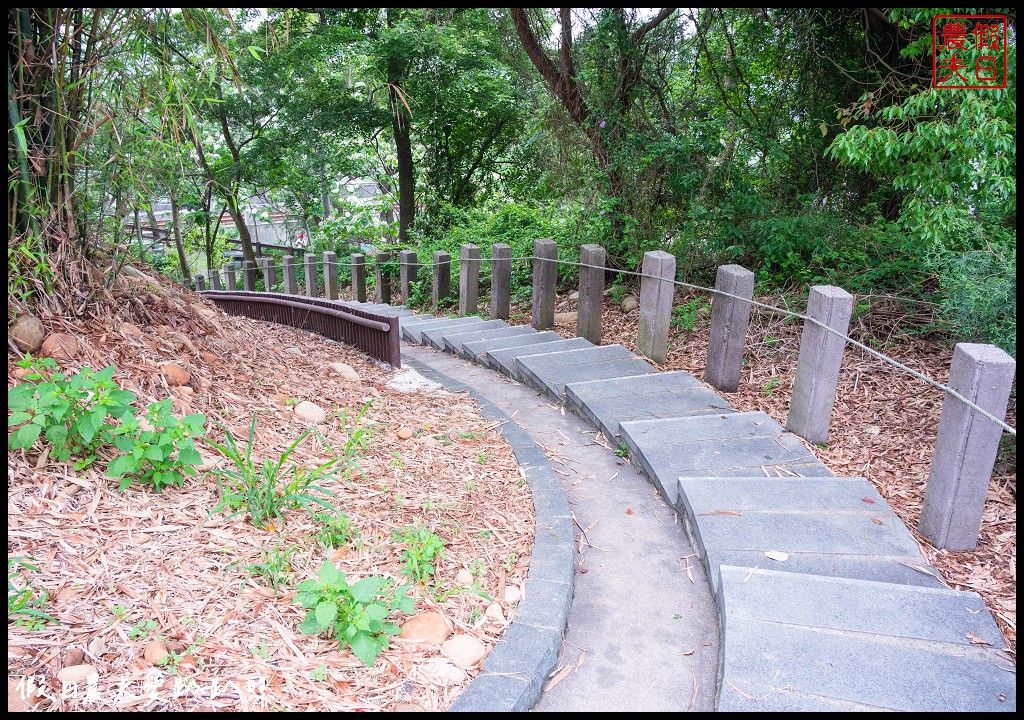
point(357, 614)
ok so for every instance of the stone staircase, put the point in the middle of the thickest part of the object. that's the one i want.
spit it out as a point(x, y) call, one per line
point(825, 601)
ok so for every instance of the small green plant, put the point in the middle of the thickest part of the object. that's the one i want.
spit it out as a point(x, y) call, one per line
point(142, 629)
point(265, 490)
point(470, 485)
point(70, 414)
point(119, 611)
point(24, 603)
point(510, 562)
point(359, 437)
point(477, 568)
point(771, 385)
point(262, 651)
point(357, 615)
point(423, 549)
point(685, 316)
point(484, 458)
point(617, 293)
point(318, 674)
point(336, 530)
point(159, 453)
point(622, 450)
point(274, 565)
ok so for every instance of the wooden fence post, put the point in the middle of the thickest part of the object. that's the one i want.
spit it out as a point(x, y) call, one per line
point(469, 279)
point(817, 369)
point(545, 275)
point(730, 319)
point(358, 262)
point(591, 302)
point(966, 447)
point(656, 294)
point(442, 277)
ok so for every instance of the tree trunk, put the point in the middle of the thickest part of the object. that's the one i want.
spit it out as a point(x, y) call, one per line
point(182, 259)
point(400, 119)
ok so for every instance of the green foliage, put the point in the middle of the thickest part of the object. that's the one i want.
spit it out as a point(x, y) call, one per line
point(274, 565)
point(685, 316)
point(979, 291)
point(622, 450)
point(25, 604)
point(336, 531)
point(357, 615)
point(161, 451)
point(142, 629)
point(423, 549)
point(70, 414)
point(264, 490)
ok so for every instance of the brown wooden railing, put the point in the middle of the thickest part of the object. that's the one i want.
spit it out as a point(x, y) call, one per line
point(375, 334)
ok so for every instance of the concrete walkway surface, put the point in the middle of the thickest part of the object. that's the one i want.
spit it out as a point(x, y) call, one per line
point(734, 574)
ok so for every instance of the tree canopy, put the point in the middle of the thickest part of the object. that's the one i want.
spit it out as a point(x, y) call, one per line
point(807, 144)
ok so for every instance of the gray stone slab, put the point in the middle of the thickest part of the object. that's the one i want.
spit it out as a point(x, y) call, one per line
point(456, 342)
point(414, 319)
point(502, 360)
point(663, 460)
point(548, 364)
point(414, 332)
point(707, 427)
point(477, 350)
point(897, 569)
point(434, 337)
point(871, 644)
point(827, 524)
point(638, 385)
point(525, 652)
point(553, 380)
point(606, 403)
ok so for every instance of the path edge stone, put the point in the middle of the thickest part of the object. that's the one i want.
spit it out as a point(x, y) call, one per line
point(515, 671)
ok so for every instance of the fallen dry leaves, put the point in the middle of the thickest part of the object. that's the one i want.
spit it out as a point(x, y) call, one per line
point(113, 562)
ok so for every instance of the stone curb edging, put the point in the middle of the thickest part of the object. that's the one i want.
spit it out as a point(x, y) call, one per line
point(514, 672)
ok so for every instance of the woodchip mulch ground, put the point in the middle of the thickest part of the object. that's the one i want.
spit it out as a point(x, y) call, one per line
point(121, 569)
point(883, 427)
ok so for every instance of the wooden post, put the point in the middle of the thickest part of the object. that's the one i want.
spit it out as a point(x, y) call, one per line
point(469, 279)
point(358, 263)
point(590, 304)
point(229, 275)
point(966, 447)
point(545, 274)
point(656, 294)
point(291, 284)
point(442, 271)
point(311, 285)
point(383, 278)
point(817, 368)
point(269, 274)
point(501, 281)
point(730, 319)
point(330, 275)
point(408, 273)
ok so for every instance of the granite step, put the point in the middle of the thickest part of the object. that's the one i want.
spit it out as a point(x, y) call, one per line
point(839, 527)
point(414, 332)
point(477, 350)
point(549, 372)
point(504, 360)
point(455, 343)
point(796, 642)
point(434, 337)
point(606, 403)
point(725, 445)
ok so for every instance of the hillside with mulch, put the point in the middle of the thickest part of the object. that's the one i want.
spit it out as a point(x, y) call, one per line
point(170, 605)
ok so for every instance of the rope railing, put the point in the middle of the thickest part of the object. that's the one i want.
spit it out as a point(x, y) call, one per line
point(714, 291)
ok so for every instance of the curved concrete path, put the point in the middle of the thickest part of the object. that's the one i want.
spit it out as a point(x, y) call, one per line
point(822, 595)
